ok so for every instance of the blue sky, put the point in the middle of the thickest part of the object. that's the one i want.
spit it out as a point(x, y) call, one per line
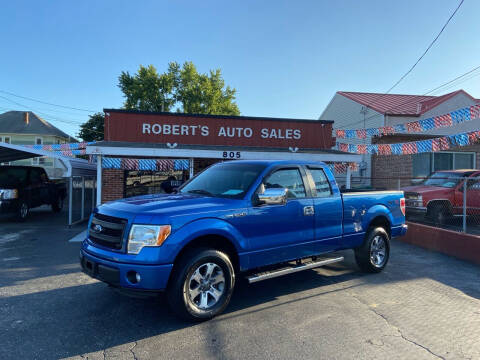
point(285, 58)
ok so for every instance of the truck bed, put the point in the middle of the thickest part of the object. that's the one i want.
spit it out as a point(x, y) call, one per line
point(361, 207)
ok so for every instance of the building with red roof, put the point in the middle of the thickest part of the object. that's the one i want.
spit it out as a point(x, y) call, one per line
point(360, 110)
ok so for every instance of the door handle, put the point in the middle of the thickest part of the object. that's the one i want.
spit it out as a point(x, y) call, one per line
point(308, 210)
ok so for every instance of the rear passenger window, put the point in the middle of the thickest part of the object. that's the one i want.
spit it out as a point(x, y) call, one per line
point(35, 177)
point(288, 179)
point(321, 183)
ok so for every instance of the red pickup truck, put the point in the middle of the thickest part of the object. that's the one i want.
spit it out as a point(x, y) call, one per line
point(440, 196)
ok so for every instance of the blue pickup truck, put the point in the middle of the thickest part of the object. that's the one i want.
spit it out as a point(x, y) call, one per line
point(261, 219)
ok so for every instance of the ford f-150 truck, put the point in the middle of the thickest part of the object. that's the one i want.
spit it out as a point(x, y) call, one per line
point(259, 218)
point(440, 196)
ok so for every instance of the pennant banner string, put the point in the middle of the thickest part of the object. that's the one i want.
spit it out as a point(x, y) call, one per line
point(414, 147)
point(436, 122)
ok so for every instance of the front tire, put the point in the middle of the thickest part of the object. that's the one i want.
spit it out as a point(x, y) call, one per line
point(23, 211)
point(439, 215)
point(201, 285)
point(373, 255)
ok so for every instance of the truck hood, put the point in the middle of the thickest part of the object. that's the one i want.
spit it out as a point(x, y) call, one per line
point(168, 204)
point(427, 190)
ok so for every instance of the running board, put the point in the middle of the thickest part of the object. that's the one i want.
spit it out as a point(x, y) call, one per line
point(275, 273)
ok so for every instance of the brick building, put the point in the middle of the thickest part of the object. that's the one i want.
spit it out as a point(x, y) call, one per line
point(141, 150)
point(396, 171)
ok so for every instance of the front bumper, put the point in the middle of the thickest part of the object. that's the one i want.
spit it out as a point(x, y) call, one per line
point(419, 210)
point(8, 208)
point(152, 277)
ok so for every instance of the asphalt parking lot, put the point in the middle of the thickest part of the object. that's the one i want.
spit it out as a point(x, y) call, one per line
point(424, 306)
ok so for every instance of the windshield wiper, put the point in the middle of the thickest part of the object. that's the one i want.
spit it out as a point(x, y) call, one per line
point(200, 191)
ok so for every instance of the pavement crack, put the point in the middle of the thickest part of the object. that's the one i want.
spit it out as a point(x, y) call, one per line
point(131, 350)
point(396, 328)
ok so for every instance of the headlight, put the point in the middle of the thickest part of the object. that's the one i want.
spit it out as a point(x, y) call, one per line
point(8, 194)
point(147, 235)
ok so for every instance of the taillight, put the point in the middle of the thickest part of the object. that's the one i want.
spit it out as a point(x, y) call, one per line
point(402, 205)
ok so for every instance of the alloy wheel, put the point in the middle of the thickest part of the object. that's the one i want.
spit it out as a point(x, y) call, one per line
point(206, 285)
point(378, 251)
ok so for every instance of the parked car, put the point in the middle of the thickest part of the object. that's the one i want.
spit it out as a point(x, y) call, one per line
point(259, 218)
point(25, 187)
point(440, 196)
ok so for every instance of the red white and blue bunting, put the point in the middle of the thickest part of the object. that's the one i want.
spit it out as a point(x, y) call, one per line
point(341, 167)
point(62, 147)
point(71, 150)
point(414, 147)
point(446, 120)
point(145, 164)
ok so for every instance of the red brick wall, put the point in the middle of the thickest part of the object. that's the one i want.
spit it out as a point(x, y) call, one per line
point(113, 183)
point(457, 244)
point(387, 169)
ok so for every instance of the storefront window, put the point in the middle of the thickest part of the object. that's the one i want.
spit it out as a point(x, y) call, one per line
point(140, 182)
point(463, 161)
point(427, 163)
point(443, 161)
point(422, 165)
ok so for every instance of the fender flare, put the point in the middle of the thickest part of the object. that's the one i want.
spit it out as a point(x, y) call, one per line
point(204, 227)
point(375, 211)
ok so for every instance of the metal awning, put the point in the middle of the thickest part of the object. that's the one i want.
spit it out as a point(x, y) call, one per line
point(80, 175)
point(153, 150)
point(73, 166)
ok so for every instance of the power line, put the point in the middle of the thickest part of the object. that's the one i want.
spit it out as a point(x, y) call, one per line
point(47, 103)
point(414, 100)
point(48, 116)
point(421, 57)
point(41, 112)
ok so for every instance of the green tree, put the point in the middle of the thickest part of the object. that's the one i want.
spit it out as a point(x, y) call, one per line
point(92, 130)
point(180, 88)
point(147, 90)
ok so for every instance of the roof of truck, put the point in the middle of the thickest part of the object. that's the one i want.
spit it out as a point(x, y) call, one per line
point(279, 162)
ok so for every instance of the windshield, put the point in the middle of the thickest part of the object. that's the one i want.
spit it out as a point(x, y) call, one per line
point(224, 180)
point(12, 176)
point(444, 179)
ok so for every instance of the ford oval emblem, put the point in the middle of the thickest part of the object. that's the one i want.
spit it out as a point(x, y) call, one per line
point(98, 228)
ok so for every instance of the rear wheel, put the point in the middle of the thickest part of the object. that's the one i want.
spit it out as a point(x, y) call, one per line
point(201, 285)
point(373, 255)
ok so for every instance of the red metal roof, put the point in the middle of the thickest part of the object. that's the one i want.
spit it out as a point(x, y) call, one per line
point(397, 104)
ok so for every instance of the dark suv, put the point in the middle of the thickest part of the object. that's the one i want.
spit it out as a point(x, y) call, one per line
point(26, 187)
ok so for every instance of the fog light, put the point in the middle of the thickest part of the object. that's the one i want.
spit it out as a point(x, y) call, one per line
point(133, 277)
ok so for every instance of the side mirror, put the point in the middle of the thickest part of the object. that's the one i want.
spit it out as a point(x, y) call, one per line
point(273, 196)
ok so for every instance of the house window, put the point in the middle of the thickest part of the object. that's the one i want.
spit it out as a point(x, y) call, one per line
point(427, 163)
point(36, 161)
point(6, 139)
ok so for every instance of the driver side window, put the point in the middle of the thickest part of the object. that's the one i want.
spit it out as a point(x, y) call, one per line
point(290, 179)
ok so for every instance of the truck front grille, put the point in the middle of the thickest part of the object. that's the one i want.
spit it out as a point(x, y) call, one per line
point(107, 231)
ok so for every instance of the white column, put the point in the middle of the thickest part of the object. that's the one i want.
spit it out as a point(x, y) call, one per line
point(349, 177)
point(190, 161)
point(99, 180)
